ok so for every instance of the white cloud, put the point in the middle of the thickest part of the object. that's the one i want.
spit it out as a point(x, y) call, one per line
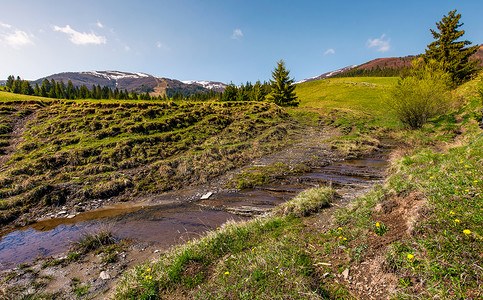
point(127, 48)
point(81, 38)
point(329, 51)
point(14, 37)
point(237, 34)
point(380, 44)
point(99, 24)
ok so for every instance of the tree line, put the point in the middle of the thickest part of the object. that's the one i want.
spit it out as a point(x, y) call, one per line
point(59, 90)
point(374, 72)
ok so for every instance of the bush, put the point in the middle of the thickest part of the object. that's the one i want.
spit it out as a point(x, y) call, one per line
point(424, 94)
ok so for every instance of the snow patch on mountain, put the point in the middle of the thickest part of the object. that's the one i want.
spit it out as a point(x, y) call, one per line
point(206, 84)
point(116, 75)
point(326, 75)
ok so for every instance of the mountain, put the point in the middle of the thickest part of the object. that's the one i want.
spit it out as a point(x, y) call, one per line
point(211, 85)
point(327, 75)
point(3, 82)
point(381, 63)
point(139, 82)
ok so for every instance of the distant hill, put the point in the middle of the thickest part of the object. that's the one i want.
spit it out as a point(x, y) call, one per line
point(3, 82)
point(139, 82)
point(388, 63)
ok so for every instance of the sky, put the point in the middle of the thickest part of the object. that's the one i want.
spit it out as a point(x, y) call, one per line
point(217, 40)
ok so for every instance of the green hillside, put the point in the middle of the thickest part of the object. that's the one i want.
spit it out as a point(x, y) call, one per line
point(355, 95)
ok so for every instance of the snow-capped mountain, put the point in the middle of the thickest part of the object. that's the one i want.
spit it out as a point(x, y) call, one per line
point(139, 82)
point(326, 75)
point(211, 85)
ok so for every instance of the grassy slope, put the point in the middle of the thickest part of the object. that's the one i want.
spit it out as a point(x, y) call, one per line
point(74, 151)
point(355, 106)
point(431, 257)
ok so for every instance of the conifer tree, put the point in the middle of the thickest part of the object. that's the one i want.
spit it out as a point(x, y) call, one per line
point(10, 81)
point(282, 88)
point(17, 85)
point(43, 92)
point(230, 93)
point(133, 95)
point(452, 55)
point(26, 89)
point(37, 90)
point(46, 86)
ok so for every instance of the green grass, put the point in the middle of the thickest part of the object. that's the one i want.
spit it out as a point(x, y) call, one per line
point(261, 258)
point(355, 95)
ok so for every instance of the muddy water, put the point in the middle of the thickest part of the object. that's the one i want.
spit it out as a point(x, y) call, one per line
point(174, 219)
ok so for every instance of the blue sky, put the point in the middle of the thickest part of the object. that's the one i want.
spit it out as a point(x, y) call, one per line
point(221, 40)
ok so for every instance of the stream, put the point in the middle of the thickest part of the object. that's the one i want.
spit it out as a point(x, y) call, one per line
point(175, 218)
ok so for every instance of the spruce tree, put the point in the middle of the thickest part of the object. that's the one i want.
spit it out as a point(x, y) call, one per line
point(282, 88)
point(26, 89)
point(10, 81)
point(452, 55)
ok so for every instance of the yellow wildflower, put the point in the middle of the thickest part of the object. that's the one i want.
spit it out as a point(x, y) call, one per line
point(466, 166)
point(431, 177)
point(148, 270)
point(340, 228)
point(340, 238)
point(377, 224)
point(476, 181)
point(456, 220)
point(410, 256)
point(227, 273)
point(451, 212)
point(466, 231)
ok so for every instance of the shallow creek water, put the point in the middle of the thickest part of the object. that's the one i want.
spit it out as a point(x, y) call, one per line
point(174, 219)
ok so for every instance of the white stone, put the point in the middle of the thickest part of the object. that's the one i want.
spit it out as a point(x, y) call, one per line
point(104, 275)
point(206, 196)
point(70, 216)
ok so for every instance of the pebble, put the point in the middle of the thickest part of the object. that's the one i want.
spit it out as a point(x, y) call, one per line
point(70, 216)
point(104, 275)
